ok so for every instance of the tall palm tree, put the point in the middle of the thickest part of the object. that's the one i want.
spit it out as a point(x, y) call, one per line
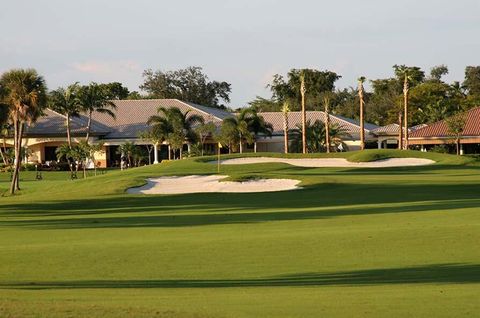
point(4, 130)
point(361, 96)
point(93, 98)
point(303, 90)
point(405, 103)
point(326, 104)
point(400, 130)
point(24, 91)
point(66, 102)
point(285, 111)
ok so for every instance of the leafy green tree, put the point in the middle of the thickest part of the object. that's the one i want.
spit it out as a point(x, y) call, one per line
point(472, 86)
point(456, 126)
point(265, 105)
point(66, 102)
point(115, 90)
point(24, 91)
point(189, 84)
point(289, 88)
point(437, 72)
point(93, 98)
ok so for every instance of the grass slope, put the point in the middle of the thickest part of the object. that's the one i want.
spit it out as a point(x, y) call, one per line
point(390, 242)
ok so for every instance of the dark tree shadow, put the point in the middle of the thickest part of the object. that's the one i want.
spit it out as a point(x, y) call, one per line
point(428, 274)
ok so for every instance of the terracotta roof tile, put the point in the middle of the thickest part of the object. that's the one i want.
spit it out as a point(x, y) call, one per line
point(440, 128)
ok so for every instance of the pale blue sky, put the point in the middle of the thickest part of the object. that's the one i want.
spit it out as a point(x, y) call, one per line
point(242, 42)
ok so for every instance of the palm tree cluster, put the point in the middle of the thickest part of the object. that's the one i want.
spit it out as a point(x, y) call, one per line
point(243, 128)
point(175, 128)
point(316, 137)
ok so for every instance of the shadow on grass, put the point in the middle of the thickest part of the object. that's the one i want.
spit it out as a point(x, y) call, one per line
point(437, 273)
point(316, 202)
point(207, 215)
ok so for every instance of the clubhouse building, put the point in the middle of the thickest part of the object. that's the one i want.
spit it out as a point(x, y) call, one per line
point(42, 138)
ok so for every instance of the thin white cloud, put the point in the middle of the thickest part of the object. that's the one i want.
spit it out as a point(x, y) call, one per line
point(106, 68)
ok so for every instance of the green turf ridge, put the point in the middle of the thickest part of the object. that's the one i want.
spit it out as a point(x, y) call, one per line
point(389, 242)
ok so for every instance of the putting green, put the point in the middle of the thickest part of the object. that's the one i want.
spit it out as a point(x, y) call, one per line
point(388, 242)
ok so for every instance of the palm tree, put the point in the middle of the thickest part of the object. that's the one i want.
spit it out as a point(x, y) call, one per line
point(326, 104)
point(4, 130)
point(315, 133)
point(66, 102)
point(257, 125)
point(361, 96)
point(94, 99)
point(175, 127)
point(405, 103)
point(67, 152)
point(304, 113)
point(24, 91)
point(285, 111)
point(240, 122)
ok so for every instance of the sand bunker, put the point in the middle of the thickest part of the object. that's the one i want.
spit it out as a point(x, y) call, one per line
point(203, 184)
point(332, 162)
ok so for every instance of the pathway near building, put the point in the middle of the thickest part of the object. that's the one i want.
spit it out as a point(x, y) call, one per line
point(332, 162)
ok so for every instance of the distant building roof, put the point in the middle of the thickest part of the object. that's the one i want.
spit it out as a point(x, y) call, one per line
point(52, 124)
point(295, 118)
point(393, 130)
point(132, 115)
point(440, 128)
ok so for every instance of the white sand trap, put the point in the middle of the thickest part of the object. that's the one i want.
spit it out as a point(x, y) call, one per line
point(203, 184)
point(332, 162)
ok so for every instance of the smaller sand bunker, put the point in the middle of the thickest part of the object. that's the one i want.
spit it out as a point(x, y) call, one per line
point(211, 183)
point(332, 162)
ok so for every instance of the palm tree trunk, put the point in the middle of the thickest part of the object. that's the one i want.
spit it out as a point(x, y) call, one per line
point(405, 119)
point(87, 136)
point(327, 130)
point(400, 131)
point(169, 152)
point(69, 137)
point(458, 146)
point(240, 144)
point(3, 157)
point(304, 127)
point(285, 132)
point(181, 150)
point(17, 156)
point(5, 149)
point(255, 146)
point(362, 125)
point(20, 135)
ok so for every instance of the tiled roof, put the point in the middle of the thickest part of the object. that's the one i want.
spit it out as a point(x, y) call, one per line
point(132, 115)
point(295, 118)
point(53, 124)
point(440, 128)
point(393, 129)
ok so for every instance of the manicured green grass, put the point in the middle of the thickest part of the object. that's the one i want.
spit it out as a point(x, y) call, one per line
point(396, 242)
